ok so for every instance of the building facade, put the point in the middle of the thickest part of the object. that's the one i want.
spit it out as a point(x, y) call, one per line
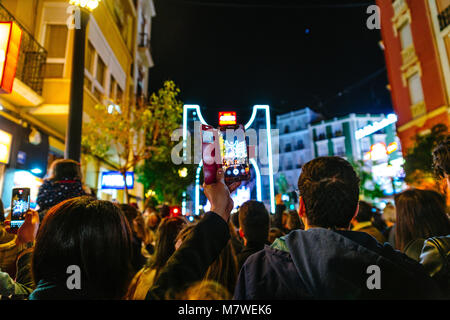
point(118, 59)
point(295, 144)
point(417, 50)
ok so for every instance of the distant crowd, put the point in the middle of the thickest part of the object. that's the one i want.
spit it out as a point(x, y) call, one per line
point(334, 247)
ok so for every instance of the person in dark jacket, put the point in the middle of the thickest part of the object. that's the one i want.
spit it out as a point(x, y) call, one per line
point(326, 260)
point(64, 183)
point(254, 228)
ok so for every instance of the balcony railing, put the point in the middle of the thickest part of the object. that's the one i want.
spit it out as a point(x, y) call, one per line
point(444, 18)
point(32, 56)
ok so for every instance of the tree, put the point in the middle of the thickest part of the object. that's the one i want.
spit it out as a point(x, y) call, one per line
point(282, 184)
point(132, 133)
point(419, 159)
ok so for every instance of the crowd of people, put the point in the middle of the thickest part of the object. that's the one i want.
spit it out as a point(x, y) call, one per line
point(328, 249)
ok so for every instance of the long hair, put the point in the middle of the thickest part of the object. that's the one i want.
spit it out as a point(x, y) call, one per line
point(65, 169)
point(91, 234)
point(420, 215)
point(165, 244)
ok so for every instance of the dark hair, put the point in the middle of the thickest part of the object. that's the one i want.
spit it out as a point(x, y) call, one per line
point(365, 212)
point(130, 212)
point(420, 215)
point(235, 219)
point(92, 234)
point(65, 169)
point(2, 212)
point(293, 221)
point(329, 188)
point(165, 244)
point(441, 158)
point(164, 211)
point(254, 220)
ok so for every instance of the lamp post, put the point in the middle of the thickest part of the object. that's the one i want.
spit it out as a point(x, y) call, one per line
point(75, 120)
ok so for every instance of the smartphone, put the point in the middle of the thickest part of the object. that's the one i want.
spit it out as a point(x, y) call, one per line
point(234, 153)
point(20, 204)
point(211, 160)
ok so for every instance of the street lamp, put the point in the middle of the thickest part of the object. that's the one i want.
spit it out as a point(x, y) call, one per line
point(75, 121)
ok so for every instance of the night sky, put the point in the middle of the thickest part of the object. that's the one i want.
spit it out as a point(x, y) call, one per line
point(230, 55)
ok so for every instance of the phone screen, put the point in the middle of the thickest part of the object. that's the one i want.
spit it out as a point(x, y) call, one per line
point(20, 204)
point(234, 151)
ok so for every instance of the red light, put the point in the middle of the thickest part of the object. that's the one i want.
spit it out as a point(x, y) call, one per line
point(227, 118)
point(10, 38)
point(175, 210)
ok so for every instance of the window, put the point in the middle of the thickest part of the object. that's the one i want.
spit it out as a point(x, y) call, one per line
point(406, 36)
point(87, 83)
point(415, 89)
point(101, 69)
point(322, 149)
point(55, 43)
point(90, 56)
point(112, 88)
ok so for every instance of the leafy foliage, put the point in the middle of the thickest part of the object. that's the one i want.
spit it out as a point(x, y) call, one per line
point(135, 132)
point(419, 159)
point(368, 188)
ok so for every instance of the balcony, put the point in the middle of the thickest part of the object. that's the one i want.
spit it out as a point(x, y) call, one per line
point(444, 18)
point(144, 49)
point(32, 56)
point(408, 57)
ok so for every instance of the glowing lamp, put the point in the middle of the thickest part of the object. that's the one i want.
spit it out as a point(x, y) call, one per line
point(5, 146)
point(36, 171)
point(85, 4)
point(10, 38)
point(227, 118)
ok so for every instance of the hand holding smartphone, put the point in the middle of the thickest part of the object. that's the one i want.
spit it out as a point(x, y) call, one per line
point(20, 204)
point(232, 157)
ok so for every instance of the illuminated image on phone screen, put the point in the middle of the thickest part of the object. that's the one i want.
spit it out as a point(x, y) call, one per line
point(20, 205)
point(234, 155)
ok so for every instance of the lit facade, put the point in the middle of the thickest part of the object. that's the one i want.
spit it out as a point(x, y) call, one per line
point(417, 51)
point(118, 59)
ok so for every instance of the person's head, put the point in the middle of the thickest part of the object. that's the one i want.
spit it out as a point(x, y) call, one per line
point(135, 220)
point(165, 244)
point(329, 193)
point(164, 211)
point(65, 169)
point(254, 222)
point(153, 220)
point(420, 215)
point(441, 159)
point(293, 221)
point(389, 214)
point(365, 212)
point(91, 234)
point(274, 234)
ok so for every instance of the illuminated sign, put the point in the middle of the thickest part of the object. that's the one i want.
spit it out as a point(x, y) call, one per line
point(10, 37)
point(5, 146)
point(376, 126)
point(114, 180)
point(227, 118)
